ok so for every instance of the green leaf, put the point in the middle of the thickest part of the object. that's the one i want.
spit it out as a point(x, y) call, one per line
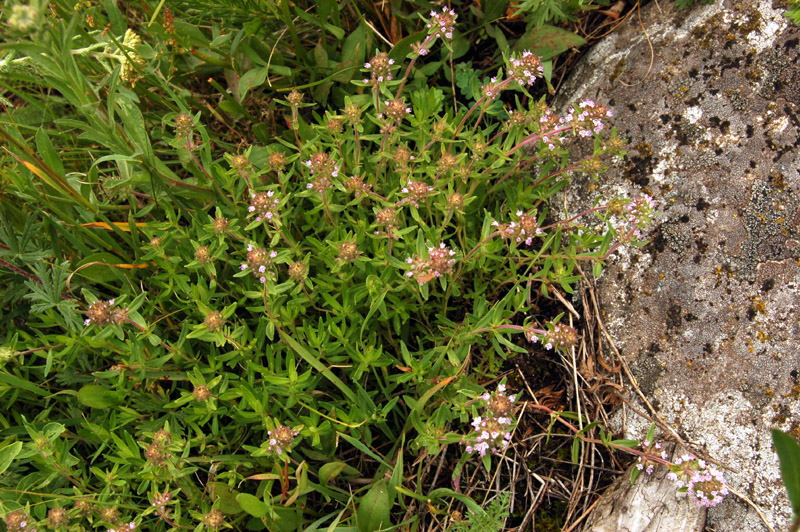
point(96, 396)
point(548, 41)
point(48, 153)
point(630, 444)
point(789, 456)
point(252, 78)
point(331, 470)
point(252, 505)
point(374, 507)
point(134, 126)
point(16, 382)
point(576, 449)
point(7, 455)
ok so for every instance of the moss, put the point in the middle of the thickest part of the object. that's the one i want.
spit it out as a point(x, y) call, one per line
point(620, 66)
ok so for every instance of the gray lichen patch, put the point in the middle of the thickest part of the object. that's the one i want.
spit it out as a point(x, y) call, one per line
point(707, 313)
point(768, 218)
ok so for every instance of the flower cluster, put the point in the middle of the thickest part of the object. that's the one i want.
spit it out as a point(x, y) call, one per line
point(19, 521)
point(639, 213)
point(439, 262)
point(259, 260)
point(492, 431)
point(214, 519)
point(523, 229)
point(57, 517)
point(124, 528)
point(160, 501)
point(557, 335)
point(650, 448)
point(401, 157)
point(264, 205)
point(348, 252)
point(158, 452)
point(101, 313)
point(416, 191)
point(280, 439)
point(131, 60)
point(396, 110)
point(491, 89)
point(357, 186)
point(525, 68)
point(705, 483)
point(386, 219)
point(442, 24)
point(323, 168)
point(549, 123)
point(380, 69)
point(588, 117)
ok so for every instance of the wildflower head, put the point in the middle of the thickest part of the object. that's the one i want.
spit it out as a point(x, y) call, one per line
point(498, 403)
point(523, 229)
point(259, 261)
point(357, 186)
point(183, 125)
point(109, 514)
point(23, 18)
point(492, 431)
point(241, 164)
point(277, 161)
point(491, 89)
point(214, 321)
point(386, 218)
point(334, 125)
point(280, 439)
point(646, 463)
point(264, 205)
point(298, 271)
point(352, 113)
point(83, 507)
point(131, 60)
point(416, 191)
point(214, 519)
point(57, 517)
point(516, 120)
point(201, 393)
point(455, 201)
point(705, 483)
point(525, 68)
point(348, 252)
point(560, 336)
point(440, 262)
point(380, 69)
point(442, 24)
point(446, 163)
point(294, 98)
point(103, 312)
point(323, 168)
point(639, 213)
point(17, 521)
point(396, 110)
point(220, 224)
point(401, 157)
point(202, 255)
point(587, 118)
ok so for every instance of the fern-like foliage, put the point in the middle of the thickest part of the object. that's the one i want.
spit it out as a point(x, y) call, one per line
point(48, 295)
point(492, 520)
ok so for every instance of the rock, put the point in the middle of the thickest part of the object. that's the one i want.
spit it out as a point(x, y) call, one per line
point(649, 505)
point(707, 313)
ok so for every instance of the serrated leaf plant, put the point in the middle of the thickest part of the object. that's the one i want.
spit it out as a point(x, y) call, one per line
point(268, 336)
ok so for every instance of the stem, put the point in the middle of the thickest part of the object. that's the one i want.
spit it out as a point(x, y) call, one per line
point(535, 137)
point(425, 43)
